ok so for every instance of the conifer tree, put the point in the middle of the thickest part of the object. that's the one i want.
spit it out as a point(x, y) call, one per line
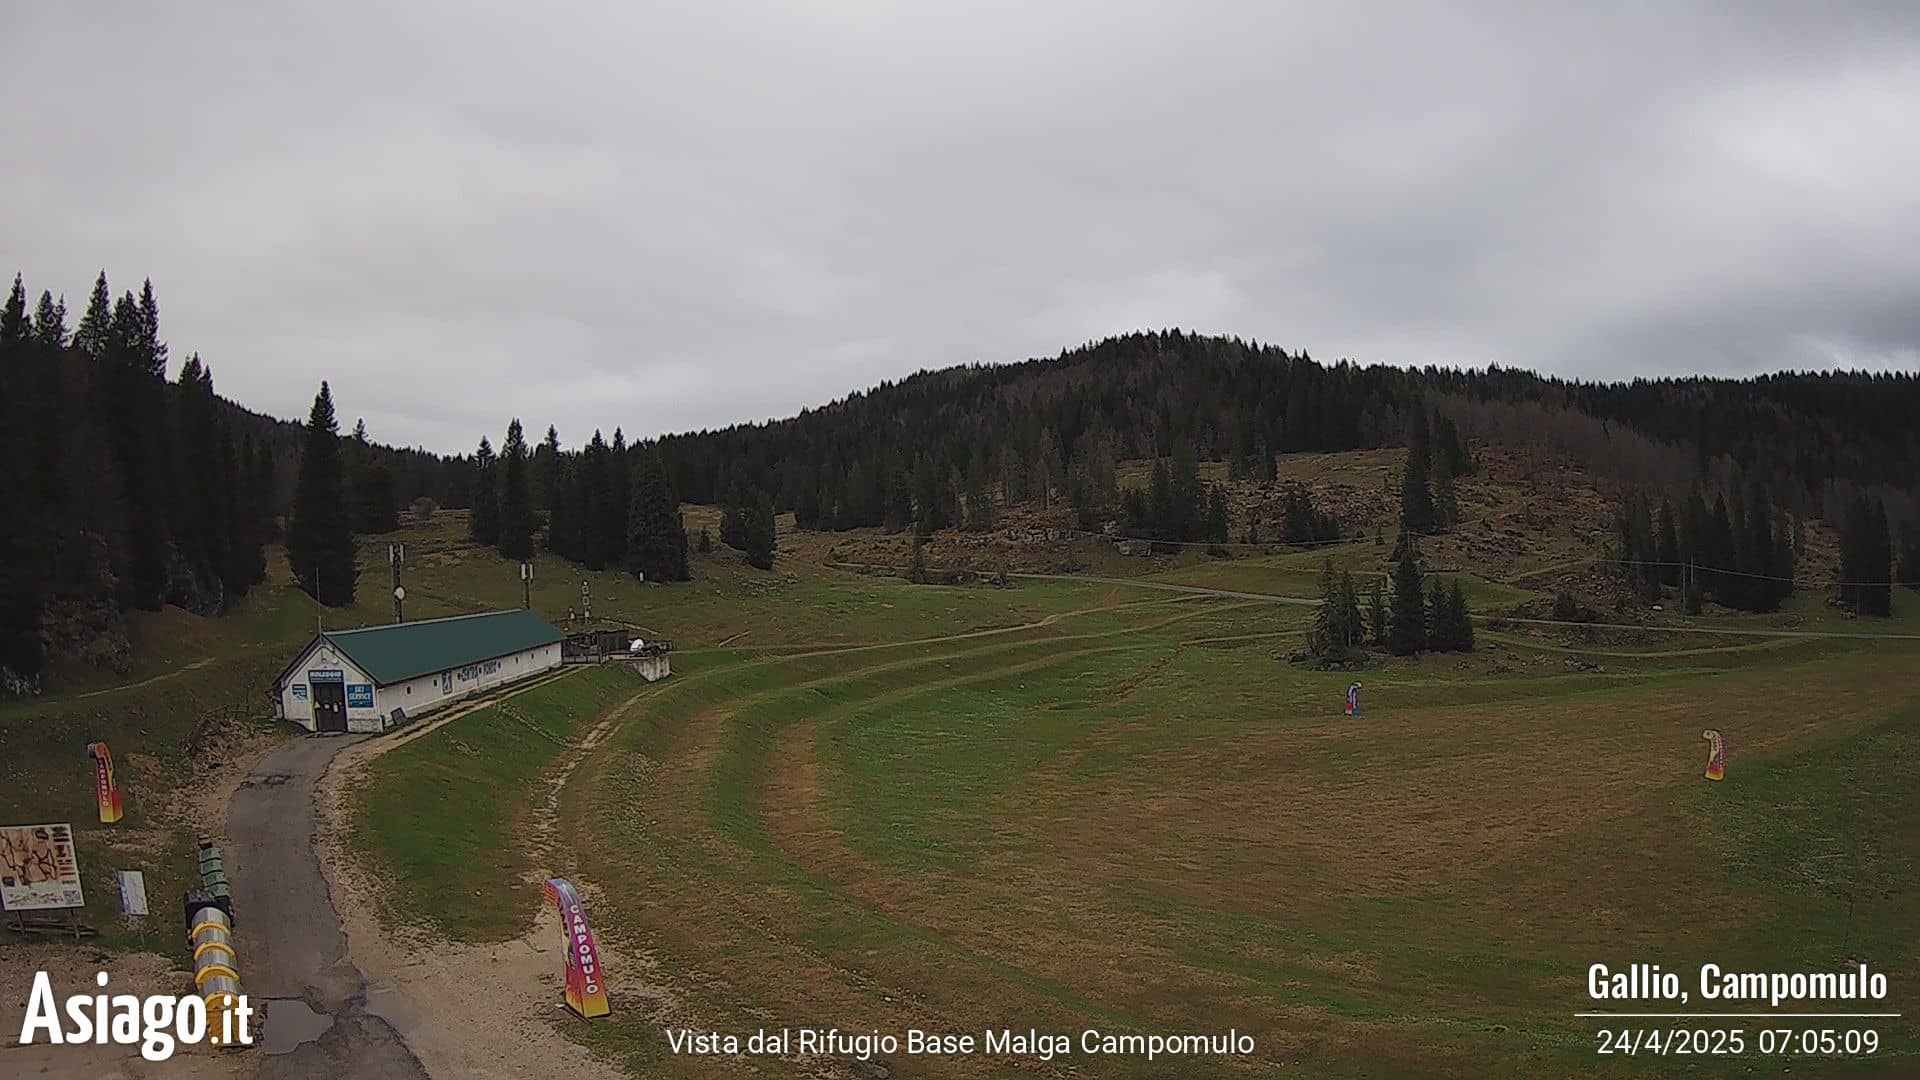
point(979, 503)
point(1907, 571)
point(1866, 562)
point(1217, 524)
point(749, 527)
point(1437, 628)
point(516, 509)
point(484, 524)
point(1416, 500)
point(917, 562)
point(21, 531)
point(95, 331)
point(1459, 621)
point(657, 546)
point(204, 539)
point(1407, 626)
point(897, 511)
point(1337, 626)
point(613, 511)
point(1446, 505)
point(320, 549)
point(1667, 550)
point(246, 561)
point(132, 400)
point(42, 398)
point(369, 485)
point(546, 471)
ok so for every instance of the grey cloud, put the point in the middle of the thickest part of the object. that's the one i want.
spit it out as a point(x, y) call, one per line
point(661, 218)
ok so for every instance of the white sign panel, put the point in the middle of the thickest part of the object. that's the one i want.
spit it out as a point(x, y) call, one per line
point(133, 892)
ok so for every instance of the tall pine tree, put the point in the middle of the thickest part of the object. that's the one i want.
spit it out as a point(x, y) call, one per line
point(1407, 626)
point(484, 522)
point(320, 549)
point(657, 546)
point(516, 505)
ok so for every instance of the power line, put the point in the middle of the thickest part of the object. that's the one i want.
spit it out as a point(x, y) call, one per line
point(1697, 567)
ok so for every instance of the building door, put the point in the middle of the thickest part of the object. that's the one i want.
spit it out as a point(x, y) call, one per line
point(329, 706)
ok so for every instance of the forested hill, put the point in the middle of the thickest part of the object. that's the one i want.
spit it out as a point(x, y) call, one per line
point(1812, 439)
point(131, 486)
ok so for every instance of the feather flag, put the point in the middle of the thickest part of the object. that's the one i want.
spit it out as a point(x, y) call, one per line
point(106, 786)
point(1716, 754)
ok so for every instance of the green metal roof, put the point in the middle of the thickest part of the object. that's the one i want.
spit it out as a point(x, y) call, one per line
point(397, 652)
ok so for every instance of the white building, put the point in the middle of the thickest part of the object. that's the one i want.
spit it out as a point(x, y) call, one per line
point(376, 677)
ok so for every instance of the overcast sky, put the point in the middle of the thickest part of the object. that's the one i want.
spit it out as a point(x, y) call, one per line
point(671, 217)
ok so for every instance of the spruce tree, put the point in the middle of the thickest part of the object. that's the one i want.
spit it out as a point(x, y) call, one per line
point(546, 471)
point(1460, 621)
point(369, 485)
point(1217, 524)
point(897, 511)
point(979, 502)
point(917, 562)
point(1186, 512)
point(320, 549)
point(1416, 500)
point(516, 508)
point(1377, 612)
point(21, 525)
point(1907, 569)
point(613, 511)
point(1667, 549)
point(95, 332)
point(1336, 622)
point(657, 545)
point(43, 400)
point(131, 397)
point(1446, 505)
point(484, 523)
point(1439, 631)
point(594, 493)
point(246, 563)
point(1407, 626)
point(760, 532)
point(204, 539)
point(1866, 558)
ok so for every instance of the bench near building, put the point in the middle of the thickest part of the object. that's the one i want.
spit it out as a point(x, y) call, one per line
point(377, 677)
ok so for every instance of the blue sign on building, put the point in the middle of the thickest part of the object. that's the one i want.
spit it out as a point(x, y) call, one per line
point(299, 691)
point(359, 695)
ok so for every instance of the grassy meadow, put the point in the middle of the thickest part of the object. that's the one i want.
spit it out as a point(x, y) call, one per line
point(865, 804)
point(873, 805)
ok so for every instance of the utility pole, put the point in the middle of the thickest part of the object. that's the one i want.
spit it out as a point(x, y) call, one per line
point(526, 585)
point(396, 555)
point(586, 600)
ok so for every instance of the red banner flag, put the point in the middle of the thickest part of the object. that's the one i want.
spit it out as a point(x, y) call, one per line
point(586, 988)
point(105, 786)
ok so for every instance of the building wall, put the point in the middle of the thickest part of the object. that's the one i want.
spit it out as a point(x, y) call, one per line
point(370, 708)
point(296, 693)
point(431, 692)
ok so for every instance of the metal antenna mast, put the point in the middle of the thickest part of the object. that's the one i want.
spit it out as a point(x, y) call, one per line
point(396, 556)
